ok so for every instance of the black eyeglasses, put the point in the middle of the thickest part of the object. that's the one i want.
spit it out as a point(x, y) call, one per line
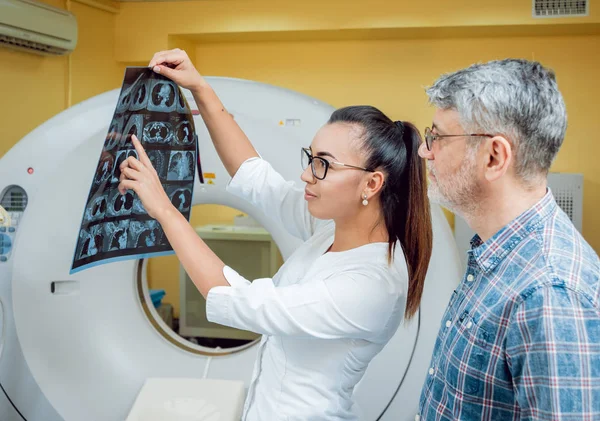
point(430, 137)
point(320, 165)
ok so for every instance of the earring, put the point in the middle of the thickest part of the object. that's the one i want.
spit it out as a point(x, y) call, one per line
point(365, 202)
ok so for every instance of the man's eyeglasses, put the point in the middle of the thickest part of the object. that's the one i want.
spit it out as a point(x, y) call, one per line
point(430, 137)
point(319, 166)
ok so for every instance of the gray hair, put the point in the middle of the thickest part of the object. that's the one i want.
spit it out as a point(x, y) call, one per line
point(515, 98)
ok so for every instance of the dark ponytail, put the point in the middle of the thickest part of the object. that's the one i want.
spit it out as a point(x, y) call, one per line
point(392, 147)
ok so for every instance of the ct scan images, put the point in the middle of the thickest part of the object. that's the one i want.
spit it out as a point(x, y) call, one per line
point(91, 242)
point(181, 197)
point(104, 170)
point(145, 234)
point(182, 105)
point(138, 207)
point(159, 162)
point(124, 100)
point(113, 138)
point(127, 92)
point(116, 226)
point(119, 204)
point(134, 126)
point(95, 210)
point(157, 132)
point(116, 235)
point(122, 156)
point(184, 133)
point(181, 165)
point(139, 101)
point(163, 96)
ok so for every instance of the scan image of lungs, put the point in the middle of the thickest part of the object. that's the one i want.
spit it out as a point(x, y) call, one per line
point(116, 226)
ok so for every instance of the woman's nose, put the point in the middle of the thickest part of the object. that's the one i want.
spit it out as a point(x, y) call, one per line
point(307, 176)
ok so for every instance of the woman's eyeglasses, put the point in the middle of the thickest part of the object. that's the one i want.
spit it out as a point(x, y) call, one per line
point(319, 166)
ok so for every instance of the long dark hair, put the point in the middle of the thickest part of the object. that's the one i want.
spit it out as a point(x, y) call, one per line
point(392, 147)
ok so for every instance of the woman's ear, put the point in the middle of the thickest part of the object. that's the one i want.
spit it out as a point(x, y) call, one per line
point(375, 183)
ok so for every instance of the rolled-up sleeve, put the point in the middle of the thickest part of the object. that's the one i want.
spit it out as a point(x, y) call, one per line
point(348, 305)
point(258, 183)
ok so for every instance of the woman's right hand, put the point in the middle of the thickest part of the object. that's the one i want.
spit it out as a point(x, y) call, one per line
point(177, 66)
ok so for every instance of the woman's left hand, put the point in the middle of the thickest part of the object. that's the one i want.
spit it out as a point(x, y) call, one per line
point(140, 176)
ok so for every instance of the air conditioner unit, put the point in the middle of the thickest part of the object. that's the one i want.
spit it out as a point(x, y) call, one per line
point(37, 28)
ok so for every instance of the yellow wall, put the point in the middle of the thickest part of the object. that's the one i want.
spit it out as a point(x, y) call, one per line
point(378, 52)
point(93, 67)
point(45, 86)
point(392, 74)
point(315, 19)
point(341, 51)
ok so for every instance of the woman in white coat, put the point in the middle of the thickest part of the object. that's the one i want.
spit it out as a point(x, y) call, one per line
point(340, 297)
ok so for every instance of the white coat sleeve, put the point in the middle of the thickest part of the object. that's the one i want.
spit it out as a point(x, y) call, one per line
point(349, 305)
point(258, 183)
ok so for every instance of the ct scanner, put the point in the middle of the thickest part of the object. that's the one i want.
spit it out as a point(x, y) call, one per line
point(79, 347)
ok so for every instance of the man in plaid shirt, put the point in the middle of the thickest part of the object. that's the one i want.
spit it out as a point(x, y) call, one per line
point(520, 339)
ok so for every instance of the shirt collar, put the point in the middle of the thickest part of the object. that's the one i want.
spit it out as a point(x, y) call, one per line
point(489, 254)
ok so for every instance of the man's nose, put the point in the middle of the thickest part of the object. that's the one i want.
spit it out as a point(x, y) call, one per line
point(424, 152)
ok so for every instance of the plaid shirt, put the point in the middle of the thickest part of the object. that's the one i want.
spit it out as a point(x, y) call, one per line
point(520, 339)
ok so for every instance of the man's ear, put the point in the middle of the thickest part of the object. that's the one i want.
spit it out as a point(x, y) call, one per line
point(498, 157)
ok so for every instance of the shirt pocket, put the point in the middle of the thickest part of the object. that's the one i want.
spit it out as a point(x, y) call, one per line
point(468, 352)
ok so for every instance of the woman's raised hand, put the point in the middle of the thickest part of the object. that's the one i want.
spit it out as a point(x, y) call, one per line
point(140, 176)
point(177, 66)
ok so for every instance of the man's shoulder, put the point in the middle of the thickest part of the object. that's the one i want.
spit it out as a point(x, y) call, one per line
point(555, 256)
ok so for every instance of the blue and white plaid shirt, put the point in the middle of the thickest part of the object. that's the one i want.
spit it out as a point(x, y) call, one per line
point(520, 339)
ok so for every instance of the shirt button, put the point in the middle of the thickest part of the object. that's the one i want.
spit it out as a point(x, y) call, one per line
point(431, 371)
point(470, 278)
point(469, 324)
point(417, 417)
point(448, 323)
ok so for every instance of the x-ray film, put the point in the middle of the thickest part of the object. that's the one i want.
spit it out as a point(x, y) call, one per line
point(115, 226)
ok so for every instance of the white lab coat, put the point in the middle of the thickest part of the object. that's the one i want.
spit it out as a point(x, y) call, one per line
point(323, 316)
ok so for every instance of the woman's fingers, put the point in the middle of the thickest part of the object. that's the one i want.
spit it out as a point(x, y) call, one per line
point(141, 152)
point(171, 58)
point(157, 58)
point(167, 72)
point(128, 185)
point(131, 162)
point(130, 174)
point(177, 66)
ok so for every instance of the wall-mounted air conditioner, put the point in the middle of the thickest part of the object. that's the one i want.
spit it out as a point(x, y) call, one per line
point(37, 28)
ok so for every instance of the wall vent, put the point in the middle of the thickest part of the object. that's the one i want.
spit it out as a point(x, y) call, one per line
point(560, 8)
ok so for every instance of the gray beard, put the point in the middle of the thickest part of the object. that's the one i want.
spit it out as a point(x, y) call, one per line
point(466, 202)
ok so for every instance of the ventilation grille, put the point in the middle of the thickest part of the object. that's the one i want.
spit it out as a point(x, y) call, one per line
point(31, 46)
point(564, 199)
point(560, 8)
point(568, 193)
point(14, 200)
